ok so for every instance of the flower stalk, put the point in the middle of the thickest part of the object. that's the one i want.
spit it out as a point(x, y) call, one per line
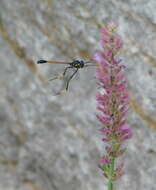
point(113, 103)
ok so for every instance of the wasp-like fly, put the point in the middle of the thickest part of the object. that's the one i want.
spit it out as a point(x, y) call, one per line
point(76, 64)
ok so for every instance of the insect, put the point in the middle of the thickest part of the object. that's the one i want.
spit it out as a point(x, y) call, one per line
point(76, 64)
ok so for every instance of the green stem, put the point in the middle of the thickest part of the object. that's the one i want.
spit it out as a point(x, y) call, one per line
point(110, 185)
point(110, 182)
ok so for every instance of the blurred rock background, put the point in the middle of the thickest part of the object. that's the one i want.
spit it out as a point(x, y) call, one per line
point(52, 142)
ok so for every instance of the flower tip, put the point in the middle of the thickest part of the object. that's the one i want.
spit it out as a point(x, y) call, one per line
point(112, 26)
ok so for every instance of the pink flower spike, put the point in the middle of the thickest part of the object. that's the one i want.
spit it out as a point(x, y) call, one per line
point(120, 77)
point(105, 140)
point(105, 32)
point(97, 57)
point(107, 55)
point(103, 63)
point(105, 131)
point(112, 100)
point(103, 119)
point(119, 171)
point(125, 127)
point(118, 43)
point(117, 61)
point(106, 111)
point(104, 160)
point(128, 136)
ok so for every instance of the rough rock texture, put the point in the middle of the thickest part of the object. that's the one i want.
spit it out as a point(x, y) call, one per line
point(52, 142)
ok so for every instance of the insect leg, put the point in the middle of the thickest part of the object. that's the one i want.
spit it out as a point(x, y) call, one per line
point(65, 70)
point(56, 77)
point(60, 75)
point(71, 78)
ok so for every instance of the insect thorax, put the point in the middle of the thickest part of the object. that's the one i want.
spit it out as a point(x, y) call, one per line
point(77, 64)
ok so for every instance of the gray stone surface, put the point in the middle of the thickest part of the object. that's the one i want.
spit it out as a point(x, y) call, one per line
point(52, 142)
